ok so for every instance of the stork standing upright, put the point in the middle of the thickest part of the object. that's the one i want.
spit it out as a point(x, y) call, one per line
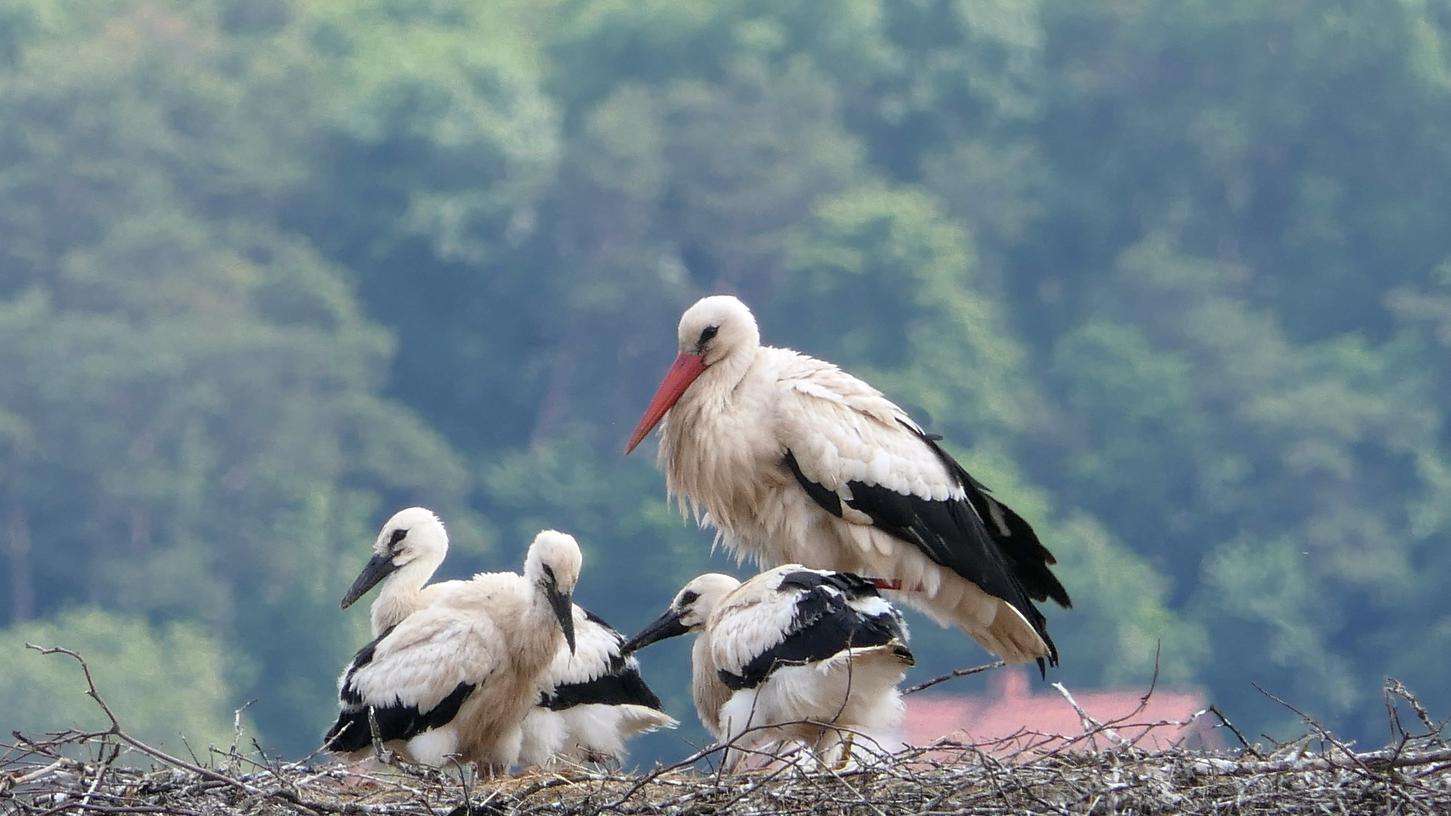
point(794, 460)
point(457, 677)
point(793, 654)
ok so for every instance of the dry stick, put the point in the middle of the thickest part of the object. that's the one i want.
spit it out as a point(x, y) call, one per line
point(1213, 709)
point(1300, 783)
point(155, 753)
point(952, 675)
point(1090, 726)
point(661, 771)
point(100, 775)
point(1319, 729)
point(1395, 688)
point(141, 809)
point(703, 753)
point(39, 772)
point(1121, 721)
point(1368, 761)
point(750, 787)
point(277, 773)
point(845, 698)
point(858, 793)
point(237, 732)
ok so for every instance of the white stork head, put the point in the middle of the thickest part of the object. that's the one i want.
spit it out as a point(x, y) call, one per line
point(715, 330)
point(688, 612)
point(553, 566)
point(412, 544)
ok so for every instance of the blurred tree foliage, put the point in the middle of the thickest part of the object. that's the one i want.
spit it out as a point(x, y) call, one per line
point(1172, 277)
point(150, 673)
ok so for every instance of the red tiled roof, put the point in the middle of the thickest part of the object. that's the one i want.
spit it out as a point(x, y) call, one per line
point(1011, 708)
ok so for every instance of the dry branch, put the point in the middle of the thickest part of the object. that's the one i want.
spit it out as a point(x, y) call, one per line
point(79, 773)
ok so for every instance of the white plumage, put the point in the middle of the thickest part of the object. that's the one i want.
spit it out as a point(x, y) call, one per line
point(795, 461)
point(592, 701)
point(794, 654)
point(408, 550)
point(456, 677)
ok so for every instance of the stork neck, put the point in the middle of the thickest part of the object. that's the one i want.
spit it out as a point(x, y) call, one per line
point(542, 636)
point(717, 383)
point(706, 687)
point(400, 594)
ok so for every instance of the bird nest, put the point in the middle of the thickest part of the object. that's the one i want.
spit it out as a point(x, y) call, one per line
point(1100, 770)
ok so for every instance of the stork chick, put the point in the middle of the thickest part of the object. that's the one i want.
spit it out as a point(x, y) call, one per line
point(408, 550)
point(593, 700)
point(795, 461)
point(795, 654)
point(456, 678)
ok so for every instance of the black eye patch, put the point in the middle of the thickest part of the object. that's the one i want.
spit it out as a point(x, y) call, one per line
point(397, 537)
point(549, 573)
point(707, 335)
point(688, 598)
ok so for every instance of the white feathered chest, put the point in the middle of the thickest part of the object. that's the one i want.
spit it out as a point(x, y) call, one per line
point(720, 452)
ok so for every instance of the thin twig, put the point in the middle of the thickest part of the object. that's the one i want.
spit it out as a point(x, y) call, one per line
point(953, 675)
point(1213, 709)
point(1025, 772)
point(154, 753)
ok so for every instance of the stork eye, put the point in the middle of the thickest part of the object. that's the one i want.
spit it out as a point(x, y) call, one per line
point(397, 537)
point(688, 598)
point(707, 334)
point(549, 573)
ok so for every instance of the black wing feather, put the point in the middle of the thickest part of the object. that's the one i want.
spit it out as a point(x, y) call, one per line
point(823, 625)
point(980, 538)
point(351, 732)
point(1011, 532)
point(854, 586)
point(621, 684)
point(827, 499)
point(398, 721)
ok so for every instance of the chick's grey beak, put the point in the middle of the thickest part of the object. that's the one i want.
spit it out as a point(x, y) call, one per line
point(377, 568)
point(564, 610)
point(667, 625)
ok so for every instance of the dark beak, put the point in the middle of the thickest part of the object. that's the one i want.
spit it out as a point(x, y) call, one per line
point(377, 568)
point(667, 625)
point(564, 610)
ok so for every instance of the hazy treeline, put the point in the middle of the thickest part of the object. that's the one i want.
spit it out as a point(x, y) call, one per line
point(1173, 277)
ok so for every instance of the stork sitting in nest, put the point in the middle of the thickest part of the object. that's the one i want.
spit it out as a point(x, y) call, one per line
point(457, 677)
point(593, 698)
point(794, 654)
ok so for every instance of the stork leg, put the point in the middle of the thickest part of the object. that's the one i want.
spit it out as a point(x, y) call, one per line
point(731, 758)
point(845, 746)
point(833, 748)
point(490, 772)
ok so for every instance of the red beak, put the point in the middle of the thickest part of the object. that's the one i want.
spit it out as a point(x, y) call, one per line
point(681, 374)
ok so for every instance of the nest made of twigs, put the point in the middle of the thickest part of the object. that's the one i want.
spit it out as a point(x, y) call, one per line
point(1097, 771)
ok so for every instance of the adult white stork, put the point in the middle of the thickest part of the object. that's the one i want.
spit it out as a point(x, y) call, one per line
point(794, 460)
point(408, 550)
point(593, 700)
point(792, 654)
point(457, 677)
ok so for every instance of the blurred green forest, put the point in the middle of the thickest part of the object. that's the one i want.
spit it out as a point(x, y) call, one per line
point(1172, 276)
